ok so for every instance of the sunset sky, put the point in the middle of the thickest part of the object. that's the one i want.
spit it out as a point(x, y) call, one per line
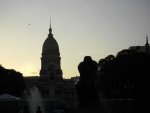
point(81, 27)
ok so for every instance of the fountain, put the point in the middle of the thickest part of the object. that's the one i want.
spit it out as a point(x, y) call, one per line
point(35, 100)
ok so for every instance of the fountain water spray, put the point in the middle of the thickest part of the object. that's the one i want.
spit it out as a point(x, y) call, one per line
point(35, 100)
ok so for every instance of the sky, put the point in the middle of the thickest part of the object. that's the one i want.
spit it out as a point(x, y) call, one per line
point(95, 28)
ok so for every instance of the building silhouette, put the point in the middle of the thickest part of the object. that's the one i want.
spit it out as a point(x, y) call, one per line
point(56, 90)
point(144, 49)
point(50, 60)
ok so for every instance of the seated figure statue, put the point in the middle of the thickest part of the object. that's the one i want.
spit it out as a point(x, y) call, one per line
point(38, 110)
point(88, 96)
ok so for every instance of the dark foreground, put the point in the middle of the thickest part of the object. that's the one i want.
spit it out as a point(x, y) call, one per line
point(106, 106)
point(116, 106)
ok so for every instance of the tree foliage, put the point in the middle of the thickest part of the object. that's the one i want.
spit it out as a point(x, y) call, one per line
point(11, 82)
point(125, 76)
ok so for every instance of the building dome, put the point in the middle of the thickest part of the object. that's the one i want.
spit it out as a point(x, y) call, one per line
point(50, 60)
point(50, 46)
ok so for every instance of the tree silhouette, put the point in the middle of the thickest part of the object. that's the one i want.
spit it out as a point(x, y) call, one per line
point(125, 76)
point(11, 82)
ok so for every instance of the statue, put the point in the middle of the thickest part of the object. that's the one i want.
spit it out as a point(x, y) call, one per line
point(25, 110)
point(39, 110)
point(88, 96)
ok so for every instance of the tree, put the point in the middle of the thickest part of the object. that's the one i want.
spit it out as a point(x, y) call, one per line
point(125, 76)
point(11, 82)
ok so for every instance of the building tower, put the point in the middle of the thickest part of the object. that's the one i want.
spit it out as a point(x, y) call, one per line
point(147, 45)
point(144, 49)
point(50, 60)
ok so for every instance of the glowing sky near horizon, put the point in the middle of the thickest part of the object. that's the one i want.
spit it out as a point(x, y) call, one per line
point(81, 27)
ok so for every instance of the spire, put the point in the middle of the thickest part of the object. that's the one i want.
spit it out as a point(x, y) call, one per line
point(147, 44)
point(50, 29)
point(50, 22)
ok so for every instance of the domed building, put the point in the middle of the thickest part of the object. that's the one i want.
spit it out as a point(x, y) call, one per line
point(50, 60)
point(52, 85)
point(56, 92)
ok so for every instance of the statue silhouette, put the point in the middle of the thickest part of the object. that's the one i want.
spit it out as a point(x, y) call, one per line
point(39, 110)
point(86, 86)
point(26, 109)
